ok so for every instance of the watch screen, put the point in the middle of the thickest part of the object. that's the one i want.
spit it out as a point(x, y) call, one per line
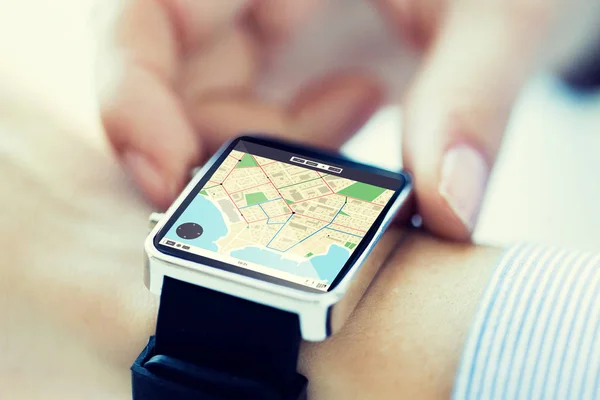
point(281, 214)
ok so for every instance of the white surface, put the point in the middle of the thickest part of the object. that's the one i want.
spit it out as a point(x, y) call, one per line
point(545, 187)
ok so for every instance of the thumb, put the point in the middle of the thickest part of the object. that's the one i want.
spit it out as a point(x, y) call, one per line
point(457, 108)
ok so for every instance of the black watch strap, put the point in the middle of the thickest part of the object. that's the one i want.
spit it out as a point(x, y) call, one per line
point(210, 345)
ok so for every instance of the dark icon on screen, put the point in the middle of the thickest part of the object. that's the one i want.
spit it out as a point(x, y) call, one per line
point(189, 231)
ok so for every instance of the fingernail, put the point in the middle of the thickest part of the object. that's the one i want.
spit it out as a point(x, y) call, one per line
point(464, 179)
point(149, 177)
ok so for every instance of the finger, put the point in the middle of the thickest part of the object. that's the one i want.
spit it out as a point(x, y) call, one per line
point(151, 135)
point(276, 20)
point(229, 66)
point(144, 119)
point(325, 115)
point(458, 107)
point(334, 108)
point(147, 36)
point(155, 33)
point(197, 22)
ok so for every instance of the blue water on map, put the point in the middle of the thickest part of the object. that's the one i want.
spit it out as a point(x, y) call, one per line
point(274, 260)
point(329, 265)
point(325, 267)
point(203, 212)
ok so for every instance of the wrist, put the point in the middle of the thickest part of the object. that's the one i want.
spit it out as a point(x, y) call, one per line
point(406, 337)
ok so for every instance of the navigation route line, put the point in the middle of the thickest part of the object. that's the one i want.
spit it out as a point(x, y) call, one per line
point(291, 210)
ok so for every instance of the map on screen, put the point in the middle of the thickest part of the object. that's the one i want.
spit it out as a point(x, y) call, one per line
point(279, 219)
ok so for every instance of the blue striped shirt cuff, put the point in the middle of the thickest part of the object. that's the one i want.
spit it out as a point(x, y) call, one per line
point(533, 336)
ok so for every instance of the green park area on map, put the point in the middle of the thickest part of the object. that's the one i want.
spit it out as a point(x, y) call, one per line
point(362, 191)
point(255, 198)
point(247, 161)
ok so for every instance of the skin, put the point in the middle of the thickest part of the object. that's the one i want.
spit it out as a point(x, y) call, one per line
point(405, 338)
point(75, 312)
point(73, 309)
point(187, 68)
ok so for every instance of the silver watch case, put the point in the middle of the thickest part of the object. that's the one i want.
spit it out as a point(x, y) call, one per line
point(320, 314)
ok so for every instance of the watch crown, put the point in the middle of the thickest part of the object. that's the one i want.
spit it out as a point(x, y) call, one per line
point(154, 219)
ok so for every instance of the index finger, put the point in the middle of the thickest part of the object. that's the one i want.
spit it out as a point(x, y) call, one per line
point(143, 116)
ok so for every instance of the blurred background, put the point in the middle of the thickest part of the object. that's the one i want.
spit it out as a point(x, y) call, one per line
point(56, 56)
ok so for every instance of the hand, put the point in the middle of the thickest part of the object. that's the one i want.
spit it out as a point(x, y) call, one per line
point(190, 70)
point(189, 73)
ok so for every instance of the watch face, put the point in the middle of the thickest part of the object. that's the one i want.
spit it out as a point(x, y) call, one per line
point(281, 213)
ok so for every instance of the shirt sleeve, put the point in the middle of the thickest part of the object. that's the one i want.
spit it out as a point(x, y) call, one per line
point(534, 334)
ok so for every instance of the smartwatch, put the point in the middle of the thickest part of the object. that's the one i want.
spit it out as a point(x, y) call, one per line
point(256, 255)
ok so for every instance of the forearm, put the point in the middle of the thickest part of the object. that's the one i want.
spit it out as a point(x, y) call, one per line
point(406, 337)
